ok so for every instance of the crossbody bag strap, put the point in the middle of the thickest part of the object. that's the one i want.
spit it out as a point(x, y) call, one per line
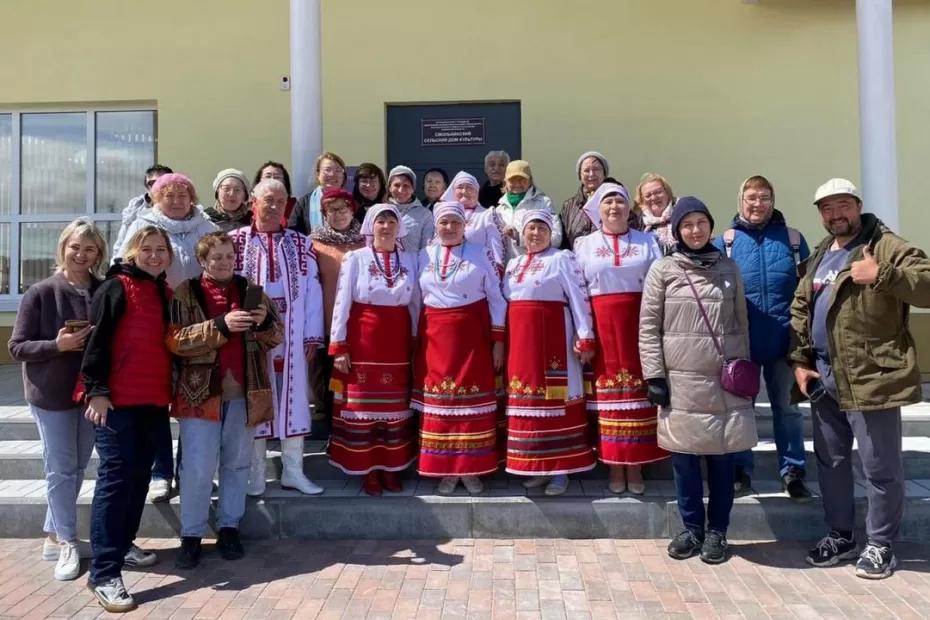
point(704, 314)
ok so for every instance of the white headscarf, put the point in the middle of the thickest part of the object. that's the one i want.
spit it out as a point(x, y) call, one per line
point(448, 207)
point(368, 226)
point(541, 215)
point(462, 178)
point(593, 207)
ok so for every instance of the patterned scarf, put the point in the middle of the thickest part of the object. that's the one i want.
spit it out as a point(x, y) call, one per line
point(330, 236)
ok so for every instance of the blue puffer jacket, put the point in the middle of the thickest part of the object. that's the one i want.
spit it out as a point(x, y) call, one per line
point(766, 263)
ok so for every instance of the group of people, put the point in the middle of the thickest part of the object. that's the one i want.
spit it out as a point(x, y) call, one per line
point(474, 328)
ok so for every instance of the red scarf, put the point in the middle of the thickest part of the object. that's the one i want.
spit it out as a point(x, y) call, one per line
point(222, 299)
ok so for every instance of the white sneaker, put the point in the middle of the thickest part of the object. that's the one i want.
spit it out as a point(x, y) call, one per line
point(139, 558)
point(159, 491)
point(112, 596)
point(69, 562)
point(536, 481)
point(50, 550)
point(473, 484)
point(447, 485)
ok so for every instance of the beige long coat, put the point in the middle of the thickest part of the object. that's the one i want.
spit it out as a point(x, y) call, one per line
point(674, 344)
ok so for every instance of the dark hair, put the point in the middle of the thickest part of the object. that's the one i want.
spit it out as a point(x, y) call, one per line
point(158, 169)
point(369, 169)
point(286, 180)
point(442, 173)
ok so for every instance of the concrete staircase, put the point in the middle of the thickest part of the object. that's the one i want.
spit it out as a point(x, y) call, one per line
point(505, 509)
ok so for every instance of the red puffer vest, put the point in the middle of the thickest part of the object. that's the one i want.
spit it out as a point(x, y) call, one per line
point(140, 373)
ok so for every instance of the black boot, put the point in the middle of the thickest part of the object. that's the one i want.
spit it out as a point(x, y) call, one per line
point(189, 556)
point(228, 544)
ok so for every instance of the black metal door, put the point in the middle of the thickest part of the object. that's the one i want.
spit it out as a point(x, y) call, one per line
point(453, 136)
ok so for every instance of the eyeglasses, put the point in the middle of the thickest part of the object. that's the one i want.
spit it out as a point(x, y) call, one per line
point(331, 171)
point(656, 194)
point(338, 210)
point(754, 198)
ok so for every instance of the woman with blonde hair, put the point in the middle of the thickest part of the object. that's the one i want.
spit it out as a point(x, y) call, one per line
point(654, 200)
point(127, 381)
point(51, 329)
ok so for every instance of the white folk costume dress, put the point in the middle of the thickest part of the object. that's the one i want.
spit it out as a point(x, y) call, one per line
point(454, 381)
point(481, 225)
point(375, 322)
point(615, 268)
point(284, 265)
point(548, 307)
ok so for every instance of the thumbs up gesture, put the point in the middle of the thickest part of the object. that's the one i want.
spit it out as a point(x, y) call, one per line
point(865, 271)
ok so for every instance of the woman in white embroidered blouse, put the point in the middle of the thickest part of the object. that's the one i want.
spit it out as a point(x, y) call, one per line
point(374, 323)
point(454, 373)
point(615, 259)
point(549, 336)
point(481, 227)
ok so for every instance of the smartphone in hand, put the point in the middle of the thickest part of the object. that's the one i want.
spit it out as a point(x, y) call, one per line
point(253, 297)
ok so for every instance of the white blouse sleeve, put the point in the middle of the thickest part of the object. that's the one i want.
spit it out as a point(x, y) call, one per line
point(313, 305)
point(579, 303)
point(556, 241)
point(338, 334)
point(415, 306)
point(495, 296)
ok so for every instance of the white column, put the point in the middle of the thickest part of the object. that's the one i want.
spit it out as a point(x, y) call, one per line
point(877, 109)
point(306, 104)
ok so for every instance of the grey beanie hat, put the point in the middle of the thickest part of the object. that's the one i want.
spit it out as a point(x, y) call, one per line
point(600, 157)
point(402, 170)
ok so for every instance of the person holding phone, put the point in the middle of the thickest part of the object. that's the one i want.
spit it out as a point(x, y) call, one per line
point(52, 327)
point(127, 380)
point(220, 331)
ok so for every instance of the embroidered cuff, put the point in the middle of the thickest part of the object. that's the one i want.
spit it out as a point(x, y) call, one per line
point(497, 334)
point(586, 344)
point(338, 348)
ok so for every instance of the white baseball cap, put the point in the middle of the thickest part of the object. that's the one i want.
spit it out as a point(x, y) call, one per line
point(836, 187)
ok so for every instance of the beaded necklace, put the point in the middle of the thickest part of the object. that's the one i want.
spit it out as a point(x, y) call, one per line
point(615, 250)
point(438, 271)
point(386, 269)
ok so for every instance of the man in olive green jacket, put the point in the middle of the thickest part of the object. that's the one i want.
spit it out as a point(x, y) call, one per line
point(854, 357)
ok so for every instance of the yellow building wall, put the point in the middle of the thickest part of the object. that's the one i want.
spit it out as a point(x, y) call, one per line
point(706, 93)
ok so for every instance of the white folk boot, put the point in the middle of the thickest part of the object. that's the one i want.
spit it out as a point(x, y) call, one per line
point(257, 471)
point(292, 472)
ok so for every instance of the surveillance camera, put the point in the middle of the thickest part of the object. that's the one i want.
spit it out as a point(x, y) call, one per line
point(285, 82)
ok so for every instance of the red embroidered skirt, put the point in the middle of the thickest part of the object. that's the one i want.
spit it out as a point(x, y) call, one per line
point(454, 388)
point(626, 420)
point(545, 434)
point(373, 426)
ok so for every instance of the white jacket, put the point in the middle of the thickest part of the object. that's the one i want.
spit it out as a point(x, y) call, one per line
point(508, 217)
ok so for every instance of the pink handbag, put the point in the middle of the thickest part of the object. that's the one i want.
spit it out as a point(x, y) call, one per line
point(738, 376)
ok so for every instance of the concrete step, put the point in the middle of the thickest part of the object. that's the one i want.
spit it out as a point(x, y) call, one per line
point(22, 460)
point(17, 423)
point(504, 510)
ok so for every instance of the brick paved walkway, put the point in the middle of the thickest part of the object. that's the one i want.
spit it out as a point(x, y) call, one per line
point(477, 579)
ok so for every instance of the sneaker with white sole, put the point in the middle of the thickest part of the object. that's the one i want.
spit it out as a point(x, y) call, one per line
point(876, 562)
point(69, 561)
point(112, 595)
point(139, 558)
point(50, 550)
point(159, 491)
point(832, 549)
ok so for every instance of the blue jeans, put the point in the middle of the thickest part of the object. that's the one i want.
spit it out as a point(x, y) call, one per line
point(67, 443)
point(227, 442)
point(126, 449)
point(163, 468)
point(690, 488)
point(787, 421)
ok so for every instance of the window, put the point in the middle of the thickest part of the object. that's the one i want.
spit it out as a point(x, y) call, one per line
point(58, 166)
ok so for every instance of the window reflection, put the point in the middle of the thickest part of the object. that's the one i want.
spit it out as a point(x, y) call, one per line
point(125, 148)
point(54, 163)
point(6, 163)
